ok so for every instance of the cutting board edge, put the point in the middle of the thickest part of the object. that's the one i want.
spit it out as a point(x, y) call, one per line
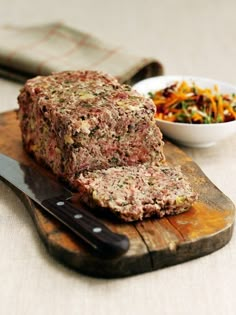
point(155, 260)
point(189, 250)
point(87, 264)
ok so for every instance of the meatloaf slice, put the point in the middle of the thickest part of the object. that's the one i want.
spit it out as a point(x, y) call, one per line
point(136, 192)
point(85, 120)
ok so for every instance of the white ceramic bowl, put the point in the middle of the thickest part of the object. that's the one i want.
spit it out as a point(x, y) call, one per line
point(192, 135)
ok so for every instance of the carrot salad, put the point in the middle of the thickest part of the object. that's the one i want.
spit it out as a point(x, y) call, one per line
point(185, 103)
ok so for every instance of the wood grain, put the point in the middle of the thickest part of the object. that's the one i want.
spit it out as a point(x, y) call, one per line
point(154, 243)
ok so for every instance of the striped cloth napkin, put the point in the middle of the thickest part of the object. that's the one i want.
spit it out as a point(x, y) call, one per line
point(40, 50)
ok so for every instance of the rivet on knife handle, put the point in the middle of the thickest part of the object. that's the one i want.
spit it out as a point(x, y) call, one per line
point(86, 226)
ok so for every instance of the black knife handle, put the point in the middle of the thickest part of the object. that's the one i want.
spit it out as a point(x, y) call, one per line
point(88, 227)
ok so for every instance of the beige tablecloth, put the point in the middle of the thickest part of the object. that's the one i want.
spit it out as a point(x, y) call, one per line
point(189, 37)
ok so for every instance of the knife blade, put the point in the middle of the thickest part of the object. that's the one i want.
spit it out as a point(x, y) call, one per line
point(56, 199)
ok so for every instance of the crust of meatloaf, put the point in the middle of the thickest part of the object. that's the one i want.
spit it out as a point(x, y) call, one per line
point(137, 192)
point(75, 121)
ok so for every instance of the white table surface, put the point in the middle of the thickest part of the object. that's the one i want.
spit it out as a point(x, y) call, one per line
point(188, 37)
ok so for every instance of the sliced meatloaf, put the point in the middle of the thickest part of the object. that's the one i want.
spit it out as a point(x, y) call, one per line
point(85, 120)
point(136, 192)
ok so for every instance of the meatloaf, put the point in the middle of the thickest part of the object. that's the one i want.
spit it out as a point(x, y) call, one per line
point(136, 192)
point(85, 120)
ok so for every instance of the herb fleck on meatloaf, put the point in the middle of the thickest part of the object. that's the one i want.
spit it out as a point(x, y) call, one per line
point(85, 120)
point(137, 192)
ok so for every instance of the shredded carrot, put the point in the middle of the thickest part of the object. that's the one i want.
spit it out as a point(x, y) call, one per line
point(182, 102)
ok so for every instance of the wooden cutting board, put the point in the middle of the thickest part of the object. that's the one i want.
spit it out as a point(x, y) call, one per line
point(154, 243)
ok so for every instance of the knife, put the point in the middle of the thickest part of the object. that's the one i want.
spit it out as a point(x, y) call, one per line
point(56, 199)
